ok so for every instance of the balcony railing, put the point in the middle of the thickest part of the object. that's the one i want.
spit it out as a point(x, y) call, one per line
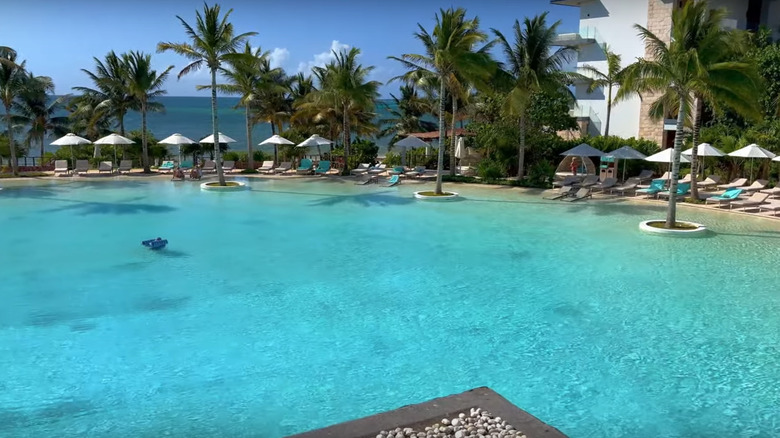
point(586, 35)
point(586, 112)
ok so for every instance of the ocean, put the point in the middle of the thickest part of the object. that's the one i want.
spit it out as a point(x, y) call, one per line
point(191, 117)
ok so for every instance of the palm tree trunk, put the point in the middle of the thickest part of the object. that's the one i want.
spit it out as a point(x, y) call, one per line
point(144, 143)
point(345, 128)
point(42, 151)
point(215, 126)
point(250, 160)
point(12, 147)
point(442, 137)
point(609, 110)
point(452, 137)
point(521, 149)
point(697, 107)
point(671, 212)
point(121, 117)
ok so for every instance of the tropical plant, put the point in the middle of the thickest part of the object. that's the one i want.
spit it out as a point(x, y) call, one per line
point(13, 81)
point(110, 89)
point(346, 90)
point(606, 80)
point(86, 118)
point(532, 67)
point(690, 66)
point(35, 110)
point(144, 84)
point(407, 112)
point(212, 42)
point(450, 58)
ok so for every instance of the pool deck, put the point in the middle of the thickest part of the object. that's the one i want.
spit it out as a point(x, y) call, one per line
point(419, 416)
point(138, 175)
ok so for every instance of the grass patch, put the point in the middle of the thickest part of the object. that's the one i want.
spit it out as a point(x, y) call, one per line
point(432, 193)
point(249, 171)
point(24, 175)
point(227, 184)
point(677, 225)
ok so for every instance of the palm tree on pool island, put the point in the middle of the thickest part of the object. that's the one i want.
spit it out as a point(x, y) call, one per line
point(212, 42)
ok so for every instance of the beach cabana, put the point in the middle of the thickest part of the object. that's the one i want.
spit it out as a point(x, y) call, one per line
point(409, 141)
point(582, 151)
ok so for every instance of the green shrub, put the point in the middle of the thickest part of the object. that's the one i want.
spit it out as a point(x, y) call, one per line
point(541, 175)
point(490, 169)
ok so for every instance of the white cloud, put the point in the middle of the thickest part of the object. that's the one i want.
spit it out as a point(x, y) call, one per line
point(323, 58)
point(278, 56)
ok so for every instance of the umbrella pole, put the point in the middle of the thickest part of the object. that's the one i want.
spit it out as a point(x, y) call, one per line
point(114, 155)
point(72, 160)
point(624, 169)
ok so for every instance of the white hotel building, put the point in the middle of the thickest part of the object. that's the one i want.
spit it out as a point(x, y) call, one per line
point(612, 22)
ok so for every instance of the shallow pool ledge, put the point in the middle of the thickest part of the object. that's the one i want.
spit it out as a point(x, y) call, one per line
point(422, 415)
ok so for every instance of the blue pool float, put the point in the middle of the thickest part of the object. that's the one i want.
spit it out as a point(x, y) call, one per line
point(157, 243)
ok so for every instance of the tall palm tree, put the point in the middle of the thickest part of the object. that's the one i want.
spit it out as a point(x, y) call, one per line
point(144, 84)
point(345, 88)
point(450, 57)
point(606, 80)
point(12, 84)
point(678, 71)
point(212, 42)
point(406, 114)
point(110, 86)
point(274, 105)
point(36, 110)
point(85, 118)
point(532, 67)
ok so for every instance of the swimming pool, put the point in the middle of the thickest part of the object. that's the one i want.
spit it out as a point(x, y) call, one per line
point(299, 304)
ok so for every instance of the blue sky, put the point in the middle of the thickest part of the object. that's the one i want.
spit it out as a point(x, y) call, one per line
point(58, 38)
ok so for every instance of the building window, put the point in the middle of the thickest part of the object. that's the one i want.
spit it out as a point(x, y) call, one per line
point(753, 15)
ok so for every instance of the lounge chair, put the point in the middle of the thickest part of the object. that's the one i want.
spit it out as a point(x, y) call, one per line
point(754, 201)
point(228, 166)
point(568, 181)
point(82, 166)
point(267, 167)
point(105, 166)
point(322, 167)
point(209, 166)
point(581, 194)
point(589, 180)
point(603, 185)
point(397, 170)
point(284, 166)
point(709, 182)
point(739, 182)
point(629, 186)
point(305, 168)
point(773, 192)
point(361, 169)
point(645, 175)
point(61, 166)
point(772, 206)
point(757, 185)
point(186, 165)
point(725, 198)
point(125, 166)
point(564, 192)
point(416, 172)
point(682, 190)
point(378, 169)
point(393, 181)
point(465, 171)
point(656, 186)
point(686, 179)
point(166, 166)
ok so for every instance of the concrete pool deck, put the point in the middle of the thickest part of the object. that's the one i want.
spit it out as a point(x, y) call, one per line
point(421, 415)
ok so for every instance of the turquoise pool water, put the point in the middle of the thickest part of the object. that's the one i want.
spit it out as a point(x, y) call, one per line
point(301, 304)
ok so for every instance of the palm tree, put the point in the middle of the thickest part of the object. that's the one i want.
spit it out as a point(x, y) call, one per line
point(12, 84)
point(680, 70)
point(407, 113)
point(36, 110)
point(606, 80)
point(449, 58)
point(532, 67)
point(345, 89)
point(144, 84)
point(110, 87)
point(86, 118)
point(212, 42)
point(274, 105)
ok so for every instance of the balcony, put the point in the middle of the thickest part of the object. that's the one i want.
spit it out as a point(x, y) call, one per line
point(586, 114)
point(586, 36)
point(576, 3)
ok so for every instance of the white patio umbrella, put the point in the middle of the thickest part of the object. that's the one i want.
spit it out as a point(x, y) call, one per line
point(460, 148)
point(70, 140)
point(177, 140)
point(114, 139)
point(704, 150)
point(315, 140)
point(275, 140)
point(752, 151)
point(626, 153)
point(665, 156)
point(409, 142)
point(221, 137)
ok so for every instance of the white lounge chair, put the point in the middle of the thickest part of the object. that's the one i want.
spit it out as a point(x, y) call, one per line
point(753, 202)
point(125, 166)
point(737, 183)
point(645, 175)
point(568, 181)
point(581, 194)
point(773, 192)
point(757, 185)
point(774, 207)
point(82, 166)
point(361, 169)
point(589, 180)
point(61, 166)
point(284, 167)
point(377, 170)
point(228, 166)
point(267, 167)
point(603, 185)
point(629, 186)
point(709, 182)
point(106, 166)
point(209, 166)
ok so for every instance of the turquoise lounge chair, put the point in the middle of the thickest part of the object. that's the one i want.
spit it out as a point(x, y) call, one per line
point(305, 167)
point(322, 167)
point(186, 165)
point(724, 199)
point(682, 190)
point(656, 186)
point(166, 166)
point(393, 181)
